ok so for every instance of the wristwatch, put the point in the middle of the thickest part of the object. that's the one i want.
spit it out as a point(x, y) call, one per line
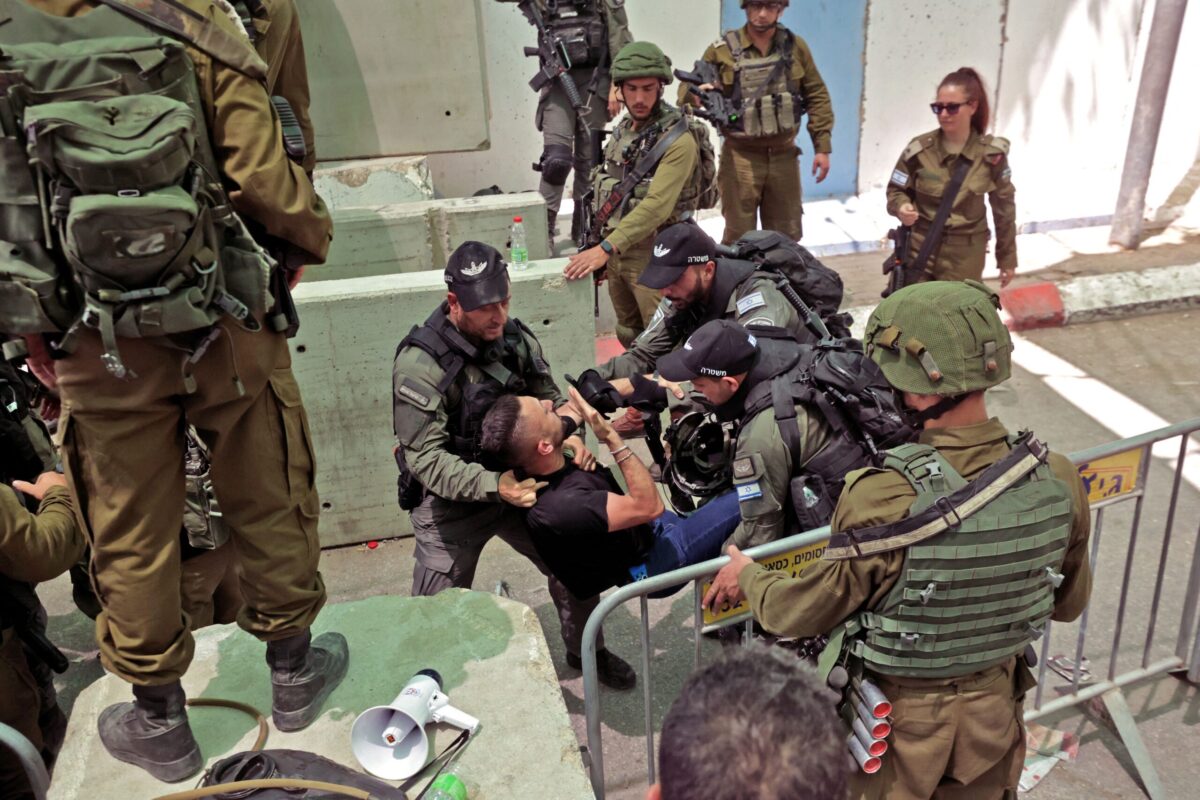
point(606, 247)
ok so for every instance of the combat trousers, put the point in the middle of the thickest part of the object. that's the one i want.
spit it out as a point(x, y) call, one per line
point(450, 537)
point(209, 592)
point(951, 741)
point(123, 448)
point(19, 708)
point(633, 303)
point(760, 180)
point(564, 126)
point(959, 256)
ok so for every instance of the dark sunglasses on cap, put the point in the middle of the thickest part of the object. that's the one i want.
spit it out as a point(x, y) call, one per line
point(949, 108)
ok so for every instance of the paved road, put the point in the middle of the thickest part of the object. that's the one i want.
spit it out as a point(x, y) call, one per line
point(1078, 387)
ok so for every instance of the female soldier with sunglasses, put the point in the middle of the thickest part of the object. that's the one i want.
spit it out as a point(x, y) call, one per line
point(925, 170)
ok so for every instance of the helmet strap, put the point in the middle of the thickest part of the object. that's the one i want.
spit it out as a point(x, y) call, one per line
point(917, 419)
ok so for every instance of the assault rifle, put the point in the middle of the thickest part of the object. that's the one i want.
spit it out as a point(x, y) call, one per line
point(553, 62)
point(714, 105)
point(893, 265)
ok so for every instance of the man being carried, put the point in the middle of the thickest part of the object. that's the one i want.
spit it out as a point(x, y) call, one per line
point(589, 532)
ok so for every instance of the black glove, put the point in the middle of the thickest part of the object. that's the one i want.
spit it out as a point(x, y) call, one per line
point(598, 392)
point(647, 395)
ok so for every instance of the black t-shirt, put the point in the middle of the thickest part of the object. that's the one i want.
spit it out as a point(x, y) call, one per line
point(569, 528)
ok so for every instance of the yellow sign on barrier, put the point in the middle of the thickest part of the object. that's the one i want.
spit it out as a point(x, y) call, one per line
point(792, 561)
point(1112, 476)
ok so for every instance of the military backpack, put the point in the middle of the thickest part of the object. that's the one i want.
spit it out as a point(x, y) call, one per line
point(112, 213)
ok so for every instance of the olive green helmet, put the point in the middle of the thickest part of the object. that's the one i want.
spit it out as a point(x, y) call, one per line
point(783, 3)
point(641, 60)
point(941, 337)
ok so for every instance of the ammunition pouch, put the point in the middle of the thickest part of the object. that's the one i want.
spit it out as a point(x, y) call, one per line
point(583, 37)
point(409, 491)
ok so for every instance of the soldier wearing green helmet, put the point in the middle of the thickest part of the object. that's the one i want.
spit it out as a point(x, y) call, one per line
point(999, 522)
point(655, 164)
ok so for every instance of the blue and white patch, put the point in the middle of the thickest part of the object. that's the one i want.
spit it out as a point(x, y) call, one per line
point(750, 302)
point(900, 178)
point(1006, 174)
point(749, 491)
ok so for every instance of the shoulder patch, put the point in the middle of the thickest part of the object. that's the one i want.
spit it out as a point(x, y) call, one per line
point(997, 144)
point(749, 491)
point(759, 321)
point(743, 468)
point(750, 302)
point(415, 393)
point(899, 178)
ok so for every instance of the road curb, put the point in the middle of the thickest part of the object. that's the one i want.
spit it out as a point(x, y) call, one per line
point(1048, 304)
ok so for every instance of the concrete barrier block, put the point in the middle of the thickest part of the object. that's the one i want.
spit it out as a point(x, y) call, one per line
point(343, 360)
point(380, 240)
point(374, 182)
point(488, 219)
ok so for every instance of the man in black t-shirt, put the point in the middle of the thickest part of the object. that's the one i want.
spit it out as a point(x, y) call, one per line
point(592, 535)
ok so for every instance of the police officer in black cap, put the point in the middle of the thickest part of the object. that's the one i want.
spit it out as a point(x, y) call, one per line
point(697, 287)
point(447, 374)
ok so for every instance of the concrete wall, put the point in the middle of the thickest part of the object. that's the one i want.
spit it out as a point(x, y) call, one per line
point(395, 77)
point(681, 27)
point(343, 360)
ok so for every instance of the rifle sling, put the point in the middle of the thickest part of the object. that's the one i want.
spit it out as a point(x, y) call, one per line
point(934, 236)
point(640, 170)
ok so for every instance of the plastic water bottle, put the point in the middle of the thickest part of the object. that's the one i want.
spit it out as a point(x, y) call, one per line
point(450, 785)
point(518, 253)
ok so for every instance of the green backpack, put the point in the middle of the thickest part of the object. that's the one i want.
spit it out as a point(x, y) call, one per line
point(112, 212)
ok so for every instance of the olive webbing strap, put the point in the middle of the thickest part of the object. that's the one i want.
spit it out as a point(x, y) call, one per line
point(876, 657)
point(640, 170)
point(933, 237)
point(938, 632)
point(946, 512)
point(182, 22)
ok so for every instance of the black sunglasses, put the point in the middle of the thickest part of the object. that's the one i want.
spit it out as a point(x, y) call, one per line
point(949, 108)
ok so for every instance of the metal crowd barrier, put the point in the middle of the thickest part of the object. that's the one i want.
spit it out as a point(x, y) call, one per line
point(1113, 474)
point(30, 758)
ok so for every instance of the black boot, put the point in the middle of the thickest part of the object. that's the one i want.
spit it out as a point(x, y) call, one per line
point(552, 228)
point(303, 673)
point(612, 670)
point(152, 733)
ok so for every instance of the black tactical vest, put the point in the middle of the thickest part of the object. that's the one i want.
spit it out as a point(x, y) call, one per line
point(579, 25)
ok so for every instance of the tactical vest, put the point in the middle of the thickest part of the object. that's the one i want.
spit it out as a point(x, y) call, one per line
point(624, 146)
point(112, 207)
point(762, 88)
point(503, 365)
point(857, 404)
point(579, 26)
point(977, 592)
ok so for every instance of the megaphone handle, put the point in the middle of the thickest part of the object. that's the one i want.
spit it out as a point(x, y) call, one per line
point(459, 719)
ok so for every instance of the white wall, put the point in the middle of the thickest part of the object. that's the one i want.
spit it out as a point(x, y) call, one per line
point(683, 28)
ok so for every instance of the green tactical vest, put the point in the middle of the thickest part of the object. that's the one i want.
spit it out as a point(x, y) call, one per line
point(974, 595)
point(625, 146)
point(112, 212)
point(763, 88)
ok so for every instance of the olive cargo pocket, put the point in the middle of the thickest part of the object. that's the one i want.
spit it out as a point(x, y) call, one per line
point(299, 460)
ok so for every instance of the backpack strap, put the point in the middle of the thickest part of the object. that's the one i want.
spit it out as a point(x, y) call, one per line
point(176, 19)
point(945, 511)
point(934, 235)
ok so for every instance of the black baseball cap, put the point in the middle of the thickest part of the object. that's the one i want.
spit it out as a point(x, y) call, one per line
point(477, 274)
point(678, 247)
point(716, 350)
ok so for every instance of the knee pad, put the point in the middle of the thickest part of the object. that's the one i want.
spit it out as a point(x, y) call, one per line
point(555, 164)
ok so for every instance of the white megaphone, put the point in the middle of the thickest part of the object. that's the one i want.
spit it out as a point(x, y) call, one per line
point(390, 741)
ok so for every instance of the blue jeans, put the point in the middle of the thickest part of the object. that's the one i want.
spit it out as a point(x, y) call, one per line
point(681, 541)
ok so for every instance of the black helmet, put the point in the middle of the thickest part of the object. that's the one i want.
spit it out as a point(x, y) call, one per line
point(699, 467)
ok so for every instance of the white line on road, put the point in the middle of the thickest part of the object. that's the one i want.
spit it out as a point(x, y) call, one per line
point(1121, 415)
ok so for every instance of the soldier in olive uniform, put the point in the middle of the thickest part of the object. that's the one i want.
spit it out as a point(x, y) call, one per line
point(447, 374)
point(957, 697)
point(593, 31)
point(669, 192)
point(232, 380)
point(769, 73)
point(33, 548)
point(918, 183)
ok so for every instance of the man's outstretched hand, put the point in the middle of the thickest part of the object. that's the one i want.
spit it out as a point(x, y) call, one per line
point(725, 588)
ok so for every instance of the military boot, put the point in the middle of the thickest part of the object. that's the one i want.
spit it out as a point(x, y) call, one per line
point(152, 733)
point(303, 673)
point(552, 228)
